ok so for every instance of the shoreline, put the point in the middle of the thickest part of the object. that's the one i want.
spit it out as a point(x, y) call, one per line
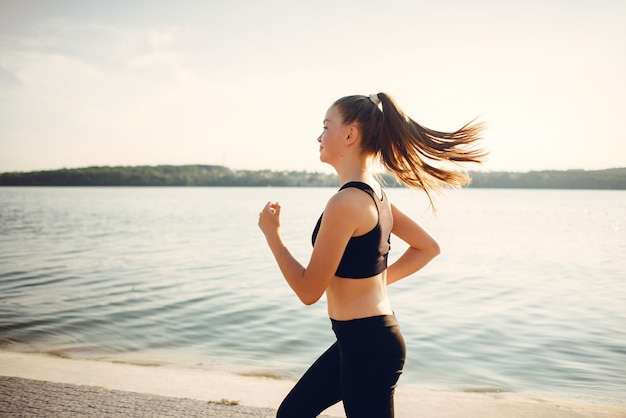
point(264, 392)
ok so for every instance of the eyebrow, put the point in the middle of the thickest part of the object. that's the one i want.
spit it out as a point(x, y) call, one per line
point(326, 120)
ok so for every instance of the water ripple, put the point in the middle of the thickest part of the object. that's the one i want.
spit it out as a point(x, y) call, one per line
point(528, 294)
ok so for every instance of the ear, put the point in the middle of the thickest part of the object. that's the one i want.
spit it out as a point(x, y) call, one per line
point(353, 134)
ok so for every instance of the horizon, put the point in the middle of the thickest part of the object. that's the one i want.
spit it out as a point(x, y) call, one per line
point(246, 84)
point(290, 170)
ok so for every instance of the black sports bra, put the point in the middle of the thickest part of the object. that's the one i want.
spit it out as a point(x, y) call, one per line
point(366, 255)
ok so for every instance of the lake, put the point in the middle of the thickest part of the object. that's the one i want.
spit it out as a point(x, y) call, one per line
point(528, 295)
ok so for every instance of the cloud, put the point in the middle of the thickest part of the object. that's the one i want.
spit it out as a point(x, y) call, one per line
point(8, 80)
point(250, 85)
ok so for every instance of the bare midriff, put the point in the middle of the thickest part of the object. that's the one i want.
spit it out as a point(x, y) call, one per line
point(358, 298)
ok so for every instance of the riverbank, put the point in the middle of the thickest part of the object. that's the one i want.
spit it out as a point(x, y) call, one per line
point(87, 388)
point(220, 176)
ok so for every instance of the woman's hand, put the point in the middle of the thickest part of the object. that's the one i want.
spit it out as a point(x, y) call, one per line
point(269, 218)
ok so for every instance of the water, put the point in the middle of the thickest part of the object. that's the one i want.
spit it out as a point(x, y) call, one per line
point(528, 295)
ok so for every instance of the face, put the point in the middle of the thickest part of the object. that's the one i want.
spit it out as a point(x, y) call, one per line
point(333, 136)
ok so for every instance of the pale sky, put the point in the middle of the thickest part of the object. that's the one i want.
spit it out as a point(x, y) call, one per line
point(246, 83)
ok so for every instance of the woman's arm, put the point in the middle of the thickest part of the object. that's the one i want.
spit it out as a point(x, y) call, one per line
point(422, 247)
point(338, 224)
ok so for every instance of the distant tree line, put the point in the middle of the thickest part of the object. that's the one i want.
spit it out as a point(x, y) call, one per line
point(219, 176)
point(166, 175)
point(614, 178)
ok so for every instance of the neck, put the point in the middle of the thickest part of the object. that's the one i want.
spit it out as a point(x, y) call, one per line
point(358, 169)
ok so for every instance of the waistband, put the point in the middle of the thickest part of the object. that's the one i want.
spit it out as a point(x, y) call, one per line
point(383, 321)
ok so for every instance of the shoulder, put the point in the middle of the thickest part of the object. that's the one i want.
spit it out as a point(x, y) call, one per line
point(348, 199)
point(341, 217)
point(353, 209)
point(345, 206)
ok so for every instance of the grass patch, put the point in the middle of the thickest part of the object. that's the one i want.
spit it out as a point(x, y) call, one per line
point(225, 401)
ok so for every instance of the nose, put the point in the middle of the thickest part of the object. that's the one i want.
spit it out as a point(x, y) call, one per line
point(319, 139)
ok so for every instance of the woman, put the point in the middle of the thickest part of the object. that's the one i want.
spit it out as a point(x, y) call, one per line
point(350, 245)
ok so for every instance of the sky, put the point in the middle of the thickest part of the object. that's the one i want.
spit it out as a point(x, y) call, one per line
point(246, 83)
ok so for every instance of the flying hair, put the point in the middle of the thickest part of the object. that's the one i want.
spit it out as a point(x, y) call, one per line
point(419, 157)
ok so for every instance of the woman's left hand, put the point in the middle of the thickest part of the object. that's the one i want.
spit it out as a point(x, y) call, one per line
point(269, 218)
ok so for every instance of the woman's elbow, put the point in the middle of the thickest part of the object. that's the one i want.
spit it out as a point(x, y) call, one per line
point(310, 296)
point(309, 300)
point(433, 249)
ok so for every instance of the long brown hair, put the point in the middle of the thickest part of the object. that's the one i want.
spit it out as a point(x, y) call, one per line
point(410, 151)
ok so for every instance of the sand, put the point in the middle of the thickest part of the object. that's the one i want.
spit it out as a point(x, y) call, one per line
point(171, 384)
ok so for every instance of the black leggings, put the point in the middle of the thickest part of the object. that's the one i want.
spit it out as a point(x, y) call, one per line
point(361, 369)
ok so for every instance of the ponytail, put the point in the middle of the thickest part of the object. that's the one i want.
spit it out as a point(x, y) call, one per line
point(411, 152)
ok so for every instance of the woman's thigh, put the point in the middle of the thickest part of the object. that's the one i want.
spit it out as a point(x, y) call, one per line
point(316, 390)
point(369, 372)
